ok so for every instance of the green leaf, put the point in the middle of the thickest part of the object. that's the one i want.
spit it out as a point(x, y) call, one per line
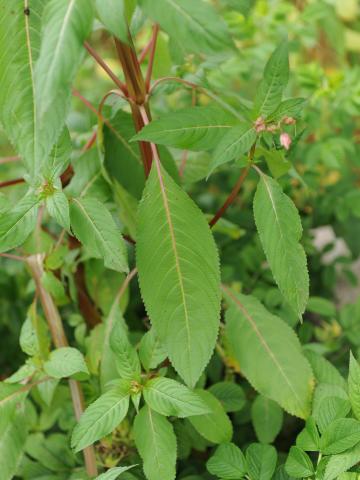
point(342, 462)
point(170, 398)
point(292, 107)
point(102, 416)
point(279, 226)
point(354, 385)
point(65, 26)
point(17, 84)
point(127, 207)
point(235, 143)
point(323, 370)
point(126, 357)
point(59, 157)
point(193, 25)
point(195, 128)
point(34, 337)
point(58, 207)
point(261, 461)
point(340, 435)
point(184, 256)
point(156, 442)
point(231, 395)
point(298, 464)
point(17, 223)
point(214, 426)
point(112, 14)
point(113, 473)
point(94, 226)
point(260, 343)
point(151, 352)
point(322, 306)
point(276, 161)
point(267, 418)
point(309, 438)
point(228, 462)
point(329, 403)
point(66, 362)
point(55, 287)
point(276, 76)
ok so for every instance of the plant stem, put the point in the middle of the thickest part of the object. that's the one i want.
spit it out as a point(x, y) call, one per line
point(15, 158)
point(52, 315)
point(13, 257)
point(8, 183)
point(151, 57)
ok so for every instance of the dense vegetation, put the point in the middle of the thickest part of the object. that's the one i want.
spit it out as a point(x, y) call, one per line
point(169, 308)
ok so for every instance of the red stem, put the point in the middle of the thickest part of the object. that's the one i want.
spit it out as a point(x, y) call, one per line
point(152, 56)
point(8, 183)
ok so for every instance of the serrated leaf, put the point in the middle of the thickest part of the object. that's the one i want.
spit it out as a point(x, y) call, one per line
point(323, 370)
point(196, 128)
point(193, 25)
point(231, 395)
point(309, 438)
point(34, 338)
point(94, 226)
point(170, 398)
point(279, 226)
point(291, 107)
point(267, 418)
point(102, 416)
point(58, 207)
point(66, 362)
point(298, 464)
point(151, 352)
point(59, 156)
point(342, 462)
point(228, 462)
point(126, 357)
point(354, 385)
point(17, 223)
point(156, 442)
point(276, 76)
point(112, 14)
point(267, 365)
point(113, 473)
point(329, 403)
point(261, 461)
point(276, 161)
point(183, 255)
point(340, 435)
point(214, 426)
point(236, 142)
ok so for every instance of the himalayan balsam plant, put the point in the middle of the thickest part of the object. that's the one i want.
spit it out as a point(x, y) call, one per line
point(93, 400)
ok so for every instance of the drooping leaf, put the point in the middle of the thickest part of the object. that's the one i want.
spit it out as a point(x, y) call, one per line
point(34, 335)
point(112, 13)
point(126, 357)
point(58, 207)
point(214, 426)
point(170, 398)
point(102, 416)
point(261, 461)
point(17, 223)
point(279, 226)
point(94, 226)
point(267, 365)
point(267, 418)
point(228, 462)
point(196, 128)
point(340, 435)
point(156, 442)
point(66, 362)
point(298, 464)
point(183, 255)
point(193, 25)
point(354, 386)
point(231, 395)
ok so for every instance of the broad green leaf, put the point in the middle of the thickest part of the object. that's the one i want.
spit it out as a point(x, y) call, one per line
point(235, 143)
point(184, 256)
point(342, 462)
point(276, 76)
point(17, 83)
point(340, 435)
point(298, 464)
point(112, 14)
point(34, 337)
point(66, 362)
point(57, 205)
point(267, 418)
point(94, 226)
point(170, 398)
point(65, 26)
point(18, 222)
point(51, 451)
point(231, 395)
point(59, 157)
point(102, 416)
point(354, 385)
point(279, 226)
point(55, 287)
point(309, 438)
point(151, 352)
point(292, 107)
point(260, 343)
point(113, 473)
point(193, 25)
point(330, 402)
point(323, 370)
point(214, 426)
point(276, 161)
point(156, 442)
point(126, 357)
point(228, 462)
point(195, 128)
point(261, 461)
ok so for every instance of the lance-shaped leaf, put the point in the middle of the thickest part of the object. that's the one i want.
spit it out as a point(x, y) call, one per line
point(261, 343)
point(112, 13)
point(17, 223)
point(155, 439)
point(237, 141)
point(279, 226)
point(291, 107)
point(194, 25)
point(94, 226)
point(17, 85)
point(276, 76)
point(126, 357)
point(66, 24)
point(179, 273)
point(57, 205)
point(354, 385)
point(196, 128)
point(66, 362)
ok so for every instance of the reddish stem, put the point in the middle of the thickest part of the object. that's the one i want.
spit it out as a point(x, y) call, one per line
point(8, 183)
point(90, 142)
point(152, 56)
point(15, 158)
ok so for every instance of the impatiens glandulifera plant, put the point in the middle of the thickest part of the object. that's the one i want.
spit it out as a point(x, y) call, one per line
point(96, 215)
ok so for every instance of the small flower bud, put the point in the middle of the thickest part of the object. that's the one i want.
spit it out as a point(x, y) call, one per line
point(272, 128)
point(289, 120)
point(259, 125)
point(285, 140)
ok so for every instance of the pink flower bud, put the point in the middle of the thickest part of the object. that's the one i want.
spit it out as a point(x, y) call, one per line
point(289, 120)
point(259, 125)
point(285, 140)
